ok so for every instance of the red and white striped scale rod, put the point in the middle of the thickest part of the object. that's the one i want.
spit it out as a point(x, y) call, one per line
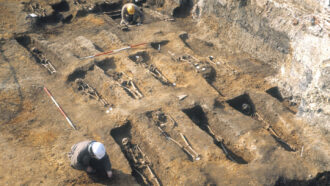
point(59, 107)
point(114, 51)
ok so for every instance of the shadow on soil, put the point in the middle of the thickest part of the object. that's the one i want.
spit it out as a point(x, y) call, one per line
point(321, 179)
point(117, 178)
point(197, 115)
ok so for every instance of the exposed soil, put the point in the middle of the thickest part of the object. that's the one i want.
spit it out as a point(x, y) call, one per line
point(177, 89)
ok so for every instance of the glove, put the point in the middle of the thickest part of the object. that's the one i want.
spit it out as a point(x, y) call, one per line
point(90, 169)
point(109, 174)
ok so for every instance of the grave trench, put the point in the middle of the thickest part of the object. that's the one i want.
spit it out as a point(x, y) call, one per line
point(275, 92)
point(41, 56)
point(143, 58)
point(113, 10)
point(104, 70)
point(140, 57)
point(167, 129)
point(199, 118)
point(245, 105)
point(184, 9)
point(62, 6)
point(125, 131)
point(159, 44)
point(280, 106)
point(80, 72)
point(77, 79)
point(108, 66)
point(206, 70)
point(61, 13)
point(213, 70)
point(169, 158)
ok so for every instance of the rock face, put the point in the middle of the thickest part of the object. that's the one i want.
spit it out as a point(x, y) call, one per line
point(292, 37)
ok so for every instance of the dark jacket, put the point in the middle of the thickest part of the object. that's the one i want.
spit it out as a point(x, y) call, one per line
point(138, 16)
point(81, 158)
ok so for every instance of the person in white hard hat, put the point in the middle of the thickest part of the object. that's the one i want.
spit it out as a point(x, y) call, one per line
point(131, 14)
point(91, 157)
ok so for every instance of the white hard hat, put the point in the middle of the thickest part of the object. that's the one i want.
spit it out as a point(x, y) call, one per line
point(98, 150)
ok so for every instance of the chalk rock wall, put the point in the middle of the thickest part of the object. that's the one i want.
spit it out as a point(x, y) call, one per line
point(291, 36)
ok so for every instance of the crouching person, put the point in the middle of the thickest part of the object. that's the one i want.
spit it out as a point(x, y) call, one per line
point(91, 157)
point(131, 14)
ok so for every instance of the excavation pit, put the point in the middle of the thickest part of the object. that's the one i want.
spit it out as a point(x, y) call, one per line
point(106, 7)
point(158, 116)
point(158, 45)
point(37, 52)
point(283, 144)
point(184, 37)
point(67, 19)
point(114, 75)
point(184, 9)
point(113, 10)
point(62, 6)
point(198, 116)
point(158, 75)
point(218, 104)
point(243, 3)
point(52, 19)
point(24, 40)
point(207, 71)
point(114, 14)
point(243, 104)
point(126, 84)
point(275, 92)
point(230, 154)
point(121, 132)
point(106, 64)
point(139, 163)
point(79, 73)
point(140, 57)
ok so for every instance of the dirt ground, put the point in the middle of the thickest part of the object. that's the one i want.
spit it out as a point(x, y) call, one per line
point(176, 87)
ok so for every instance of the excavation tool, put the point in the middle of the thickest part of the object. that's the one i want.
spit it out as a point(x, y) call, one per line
point(114, 51)
point(59, 107)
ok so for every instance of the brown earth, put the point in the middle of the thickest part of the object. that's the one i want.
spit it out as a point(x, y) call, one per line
point(199, 96)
